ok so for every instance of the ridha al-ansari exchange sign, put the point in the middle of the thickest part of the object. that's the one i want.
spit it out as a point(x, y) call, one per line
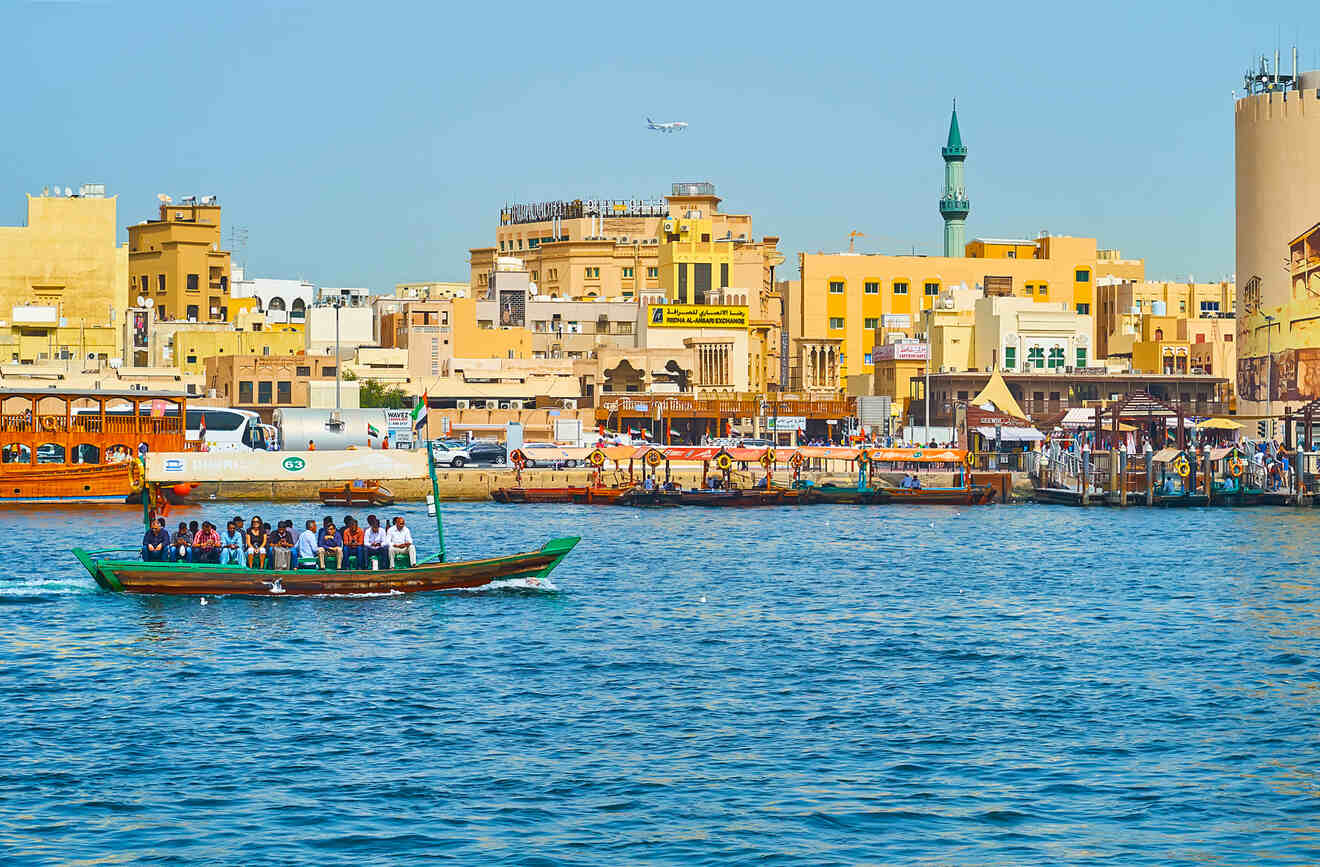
point(697, 316)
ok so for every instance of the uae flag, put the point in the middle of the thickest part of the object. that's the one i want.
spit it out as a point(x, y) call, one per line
point(372, 431)
point(419, 412)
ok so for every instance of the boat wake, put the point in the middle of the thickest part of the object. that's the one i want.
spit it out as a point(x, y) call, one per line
point(525, 585)
point(17, 590)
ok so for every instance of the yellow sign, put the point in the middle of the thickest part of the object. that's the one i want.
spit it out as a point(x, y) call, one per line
point(697, 316)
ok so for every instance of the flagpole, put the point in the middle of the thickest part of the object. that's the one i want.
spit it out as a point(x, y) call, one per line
point(435, 495)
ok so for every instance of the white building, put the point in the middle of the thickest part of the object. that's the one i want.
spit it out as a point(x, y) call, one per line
point(349, 296)
point(280, 300)
point(1022, 335)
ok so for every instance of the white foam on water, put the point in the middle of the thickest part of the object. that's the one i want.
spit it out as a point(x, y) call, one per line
point(46, 586)
point(544, 585)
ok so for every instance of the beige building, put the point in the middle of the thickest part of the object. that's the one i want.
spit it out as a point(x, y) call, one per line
point(1277, 142)
point(63, 282)
point(176, 263)
point(262, 383)
point(1121, 304)
point(847, 297)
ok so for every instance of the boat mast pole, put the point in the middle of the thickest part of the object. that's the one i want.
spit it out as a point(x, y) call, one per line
point(435, 495)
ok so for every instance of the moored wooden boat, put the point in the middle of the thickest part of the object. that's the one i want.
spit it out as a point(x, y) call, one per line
point(831, 494)
point(358, 493)
point(135, 576)
point(970, 495)
point(740, 498)
point(535, 495)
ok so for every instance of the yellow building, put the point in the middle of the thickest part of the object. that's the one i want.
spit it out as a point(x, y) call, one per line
point(847, 296)
point(63, 281)
point(1120, 305)
point(176, 263)
point(193, 347)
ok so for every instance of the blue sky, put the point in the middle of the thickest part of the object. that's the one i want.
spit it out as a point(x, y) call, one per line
point(367, 144)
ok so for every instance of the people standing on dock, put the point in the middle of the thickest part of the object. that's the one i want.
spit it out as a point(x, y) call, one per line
point(400, 541)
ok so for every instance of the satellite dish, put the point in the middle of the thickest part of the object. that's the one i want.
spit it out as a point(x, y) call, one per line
point(142, 301)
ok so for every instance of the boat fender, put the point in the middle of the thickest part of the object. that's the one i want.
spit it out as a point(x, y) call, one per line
point(137, 475)
point(1181, 466)
point(1236, 467)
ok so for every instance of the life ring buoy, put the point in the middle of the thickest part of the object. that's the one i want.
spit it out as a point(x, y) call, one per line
point(1236, 467)
point(654, 458)
point(596, 458)
point(137, 475)
point(864, 458)
point(48, 424)
point(724, 463)
point(795, 460)
point(518, 459)
point(1181, 466)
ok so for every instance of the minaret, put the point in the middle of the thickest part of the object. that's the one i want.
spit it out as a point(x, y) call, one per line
point(954, 205)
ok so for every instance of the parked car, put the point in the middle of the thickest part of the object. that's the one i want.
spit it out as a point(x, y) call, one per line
point(488, 453)
point(755, 444)
point(446, 455)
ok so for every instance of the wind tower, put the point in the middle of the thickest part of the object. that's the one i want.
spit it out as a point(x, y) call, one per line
point(954, 205)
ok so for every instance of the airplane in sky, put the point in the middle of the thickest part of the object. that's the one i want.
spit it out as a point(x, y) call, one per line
point(671, 126)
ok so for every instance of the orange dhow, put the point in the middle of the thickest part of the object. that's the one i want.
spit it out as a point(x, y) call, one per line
point(67, 446)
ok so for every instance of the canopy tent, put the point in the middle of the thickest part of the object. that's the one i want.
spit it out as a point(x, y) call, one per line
point(996, 395)
point(1219, 424)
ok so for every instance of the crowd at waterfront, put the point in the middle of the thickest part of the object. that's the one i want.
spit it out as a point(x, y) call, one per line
point(256, 545)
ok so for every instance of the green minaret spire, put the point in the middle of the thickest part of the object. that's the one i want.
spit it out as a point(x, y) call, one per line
point(954, 205)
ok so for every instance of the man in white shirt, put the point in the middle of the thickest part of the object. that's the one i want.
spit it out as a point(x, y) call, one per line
point(374, 542)
point(307, 542)
point(399, 540)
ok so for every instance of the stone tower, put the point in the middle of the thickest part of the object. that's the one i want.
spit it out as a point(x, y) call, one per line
point(954, 205)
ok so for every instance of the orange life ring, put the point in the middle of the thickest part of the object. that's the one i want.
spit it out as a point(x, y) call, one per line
point(137, 475)
point(768, 458)
point(518, 459)
point(795, 460)
point(1236, 467)
point(654, 458)
point(596, 458)
point(47, 424)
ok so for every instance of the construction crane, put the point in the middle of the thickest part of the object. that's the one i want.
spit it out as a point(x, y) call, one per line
point(852, 239)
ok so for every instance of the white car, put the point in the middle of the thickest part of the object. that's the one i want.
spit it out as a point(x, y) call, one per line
point(446, 455)
point(530, 449)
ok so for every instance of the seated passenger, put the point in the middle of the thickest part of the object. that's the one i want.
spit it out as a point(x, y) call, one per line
point(181, 545)
point(307, 543)
point(257, 539)
point(282, 542)
point(399, 540)
point(231, 545)
point(353, 539)
point(916, 483)
point(373, 540)
point(329, 542)
point(155, 542)
point(206, 544)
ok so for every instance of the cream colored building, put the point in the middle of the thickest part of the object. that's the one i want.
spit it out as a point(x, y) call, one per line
point(847, 297)
point(1121, 304)
point(1023, 335)
point(1277, 144)
point(63, 282)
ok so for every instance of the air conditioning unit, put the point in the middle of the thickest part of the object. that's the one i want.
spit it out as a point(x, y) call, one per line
point(504, 404)
point(462, 404)
point(515, 404)
point(492, 404)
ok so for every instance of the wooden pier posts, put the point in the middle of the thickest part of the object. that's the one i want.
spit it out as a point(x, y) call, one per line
point(1150, 475)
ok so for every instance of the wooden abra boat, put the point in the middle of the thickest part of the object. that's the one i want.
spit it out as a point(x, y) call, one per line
point(135, 576)
point(742, 497)
point(602, 496)
point(358, 493)
point(70, 446)
point(970, 495)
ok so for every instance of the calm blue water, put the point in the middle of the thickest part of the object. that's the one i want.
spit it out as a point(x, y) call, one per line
point(825, 685)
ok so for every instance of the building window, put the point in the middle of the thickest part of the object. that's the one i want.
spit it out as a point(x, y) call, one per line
point(1081, 356)
point(836, 287)
point(1042, 290)
point(1083, 275)
point(653, 272)
point(284, 392)
point(866, 359)
point(1182, 306)
point(160, 283)
point(724, 275)
point(304, 370)
point(264, 390)
point(328, 371)
point(1056, 357)
point(1010, 357)
point(1012, 254)
point(1083, 309)
point(1209, 307)
point(871, 323)
point(1028, 289)
point(1228, 338)
point(146, 284)
point(245, 392)
point(593, 274)
point(1036, 357)
point(871, 287)
point(900, 288)
point(193, 285)
point(192, 359)
point(836, 323)
point(627, 273)
point(932, 288)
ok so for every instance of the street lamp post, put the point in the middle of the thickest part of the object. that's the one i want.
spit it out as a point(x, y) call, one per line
point(339, 302)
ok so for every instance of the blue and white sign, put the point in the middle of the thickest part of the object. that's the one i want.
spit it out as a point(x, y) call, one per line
point(173, 465)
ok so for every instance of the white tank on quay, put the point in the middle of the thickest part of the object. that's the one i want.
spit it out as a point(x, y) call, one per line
point(331, 429)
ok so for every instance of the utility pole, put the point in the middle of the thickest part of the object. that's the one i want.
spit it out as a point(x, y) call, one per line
point(1269, 367)
point(339, 302)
